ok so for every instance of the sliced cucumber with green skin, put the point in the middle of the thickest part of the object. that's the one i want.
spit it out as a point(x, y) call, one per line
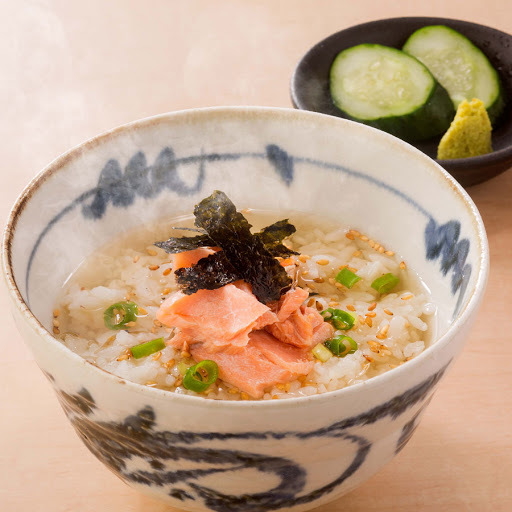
point(390, 90)
point(459, 66)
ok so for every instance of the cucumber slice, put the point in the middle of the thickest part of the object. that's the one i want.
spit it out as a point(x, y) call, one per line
point(458, 65)
point(388, 89)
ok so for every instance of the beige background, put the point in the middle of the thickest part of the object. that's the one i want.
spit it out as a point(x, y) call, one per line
point(71, 69)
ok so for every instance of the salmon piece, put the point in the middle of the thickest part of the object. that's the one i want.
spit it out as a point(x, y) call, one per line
point(221, 319)
point(189, 258)
point(304, 328)
point(290, 302)
point(260, 365)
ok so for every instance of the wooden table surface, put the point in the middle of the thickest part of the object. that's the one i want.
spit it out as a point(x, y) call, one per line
point(70, 70)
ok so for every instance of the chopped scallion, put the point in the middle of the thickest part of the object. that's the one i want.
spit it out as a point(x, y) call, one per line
point(321, 352)
point(148, 348)
point(341, 320)
point(341, 345)
point(347, 278)
point(201, 376)
point(385, 283)
point(119, 314)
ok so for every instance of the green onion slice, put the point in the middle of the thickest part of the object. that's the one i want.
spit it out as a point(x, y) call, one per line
point(119, 314)
point(321, 352)
point(347, 278)
point(385, 283)
point(342, 320)
point(341, 345)
point(201, 376)
point(147, 348)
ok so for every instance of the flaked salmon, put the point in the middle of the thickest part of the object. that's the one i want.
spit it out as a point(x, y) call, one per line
point(263, 363)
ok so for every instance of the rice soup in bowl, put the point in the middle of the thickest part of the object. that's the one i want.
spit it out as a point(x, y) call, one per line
point(201, 454)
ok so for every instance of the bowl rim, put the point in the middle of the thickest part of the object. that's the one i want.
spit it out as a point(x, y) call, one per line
point(260, 113)
point(495, 157)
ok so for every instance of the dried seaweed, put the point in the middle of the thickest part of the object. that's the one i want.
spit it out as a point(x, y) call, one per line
point(175, 245)
point(208, 273)
point(244, 255)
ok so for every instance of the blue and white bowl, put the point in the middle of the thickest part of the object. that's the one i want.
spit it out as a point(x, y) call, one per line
point(249, 456)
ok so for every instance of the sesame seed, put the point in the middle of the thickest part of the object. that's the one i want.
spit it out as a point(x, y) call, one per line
point(244, 395)
point(233, 391)
point(361, 319)
point(170, 364)
point(352, 269)
point(136, 258)
point(111, 339)
point(311, 302)
point(178, 381)
point(364, 238)
point(368, 321)
point(332, 280)
point(402, 265)
point(319, 280)
point(157, 323)
point(319, 306)
point(333, 303)
point(166, 272)
point(153, 330)
point(129, 324)
point(56, 313)
point(304, 258)
point(374, 346)
point(56, 323)
point(301, 378)
point(305, 272)
point(154, 267)
point(56, 330)
point(368, 358)
point(350, 236)
point(384, 330)
point(287, 387)
point(350, 307)
point(157, 356)
point(357, 254)
point(376, 247)
point(338, 285)
point(407, 297)
point(388, 312)
point(166, 291)
point(371, 243)
point(341, 267)
point(274, 397)
point(371, 314)
point(185, 354)
point(142, 311)
point(322, 261)
point(151, 252)
point(381, 249)
point(128, 296)
point(355, 232)
point(123, 357)
point(380, 337)
point(280, 386)
point(372, 306)
point(390, 253)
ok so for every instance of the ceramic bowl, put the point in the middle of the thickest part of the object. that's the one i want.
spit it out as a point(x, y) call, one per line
point(310, 83)
point(202, 454)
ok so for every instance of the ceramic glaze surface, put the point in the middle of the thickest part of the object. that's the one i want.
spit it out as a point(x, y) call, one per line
point(245, 456)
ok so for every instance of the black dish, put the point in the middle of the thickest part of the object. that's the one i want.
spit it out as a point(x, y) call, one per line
point(310, 84)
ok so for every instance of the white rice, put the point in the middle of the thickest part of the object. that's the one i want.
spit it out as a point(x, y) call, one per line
point(123, 273)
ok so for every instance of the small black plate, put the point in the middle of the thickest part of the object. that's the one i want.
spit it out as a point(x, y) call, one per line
point(310, 84)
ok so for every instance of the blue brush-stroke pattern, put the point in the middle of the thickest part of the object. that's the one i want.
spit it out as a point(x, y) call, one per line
point(120, 189)
point(116, 443)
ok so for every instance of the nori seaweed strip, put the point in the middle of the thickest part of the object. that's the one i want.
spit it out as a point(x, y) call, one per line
point(277, 232)
point(208, 273)
point(280, 250)
point(175, 245)
point(271, 236)
point(231, 232)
